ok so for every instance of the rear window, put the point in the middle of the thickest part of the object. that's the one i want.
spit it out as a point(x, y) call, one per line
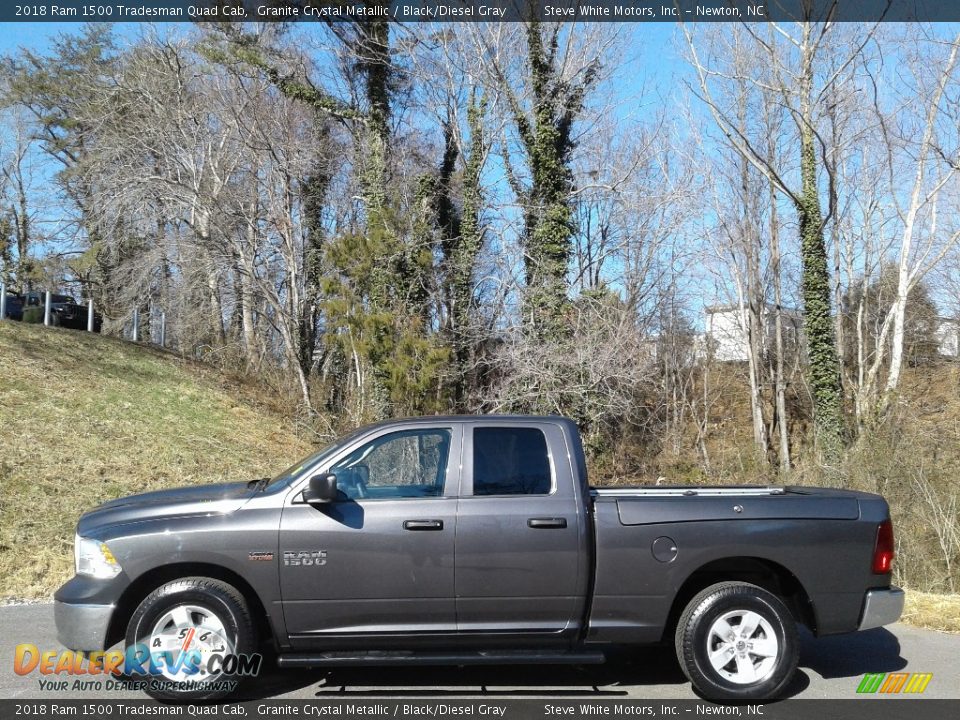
point(510, 461)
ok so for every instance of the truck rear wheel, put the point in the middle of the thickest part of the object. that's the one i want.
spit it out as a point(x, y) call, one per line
point(736, 641)
point(182, 634)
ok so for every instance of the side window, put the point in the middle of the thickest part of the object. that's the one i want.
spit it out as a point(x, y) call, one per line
point(510, 461)
point(407, 464)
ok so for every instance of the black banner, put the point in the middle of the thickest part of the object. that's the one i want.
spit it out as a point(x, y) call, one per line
point(479, 10)
point(492, 706)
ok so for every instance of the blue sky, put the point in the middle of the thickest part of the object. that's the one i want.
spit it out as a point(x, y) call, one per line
point(37, 35)
point(654, 39)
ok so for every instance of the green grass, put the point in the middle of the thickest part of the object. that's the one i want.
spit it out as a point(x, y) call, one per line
point(86, 418)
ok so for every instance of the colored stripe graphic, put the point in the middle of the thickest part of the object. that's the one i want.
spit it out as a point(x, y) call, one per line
point(870, 682)
point(893, 683)
point(918, 682)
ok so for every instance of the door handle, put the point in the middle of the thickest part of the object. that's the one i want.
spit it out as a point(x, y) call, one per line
point(423, 524)
point(546, 523)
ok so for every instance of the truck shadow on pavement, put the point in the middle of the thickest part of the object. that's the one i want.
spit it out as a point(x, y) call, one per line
point(651, 666)
point(851, 655)
point(625, 673)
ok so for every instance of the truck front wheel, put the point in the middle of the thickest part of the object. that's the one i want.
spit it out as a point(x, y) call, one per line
point(191, 639)
point(736, 641)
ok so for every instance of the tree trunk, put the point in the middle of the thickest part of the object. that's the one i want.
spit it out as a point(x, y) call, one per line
point(824, 366)
point(777, 360)
point(213, 279)
point(247, 299)
point(216, 307)
point(548, 217)
point(315, 192)
point(779, 383)
point(463, 256)
point(22, 219)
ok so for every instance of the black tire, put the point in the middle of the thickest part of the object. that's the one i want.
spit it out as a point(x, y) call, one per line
point(226, 604)
point(696, 634)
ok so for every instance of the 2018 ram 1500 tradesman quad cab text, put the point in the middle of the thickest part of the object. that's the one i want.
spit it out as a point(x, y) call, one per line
point(477, 539)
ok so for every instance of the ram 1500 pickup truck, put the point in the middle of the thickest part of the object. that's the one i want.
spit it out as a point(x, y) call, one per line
point(474, 539)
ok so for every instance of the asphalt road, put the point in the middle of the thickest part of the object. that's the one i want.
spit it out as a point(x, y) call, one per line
point(830, 668)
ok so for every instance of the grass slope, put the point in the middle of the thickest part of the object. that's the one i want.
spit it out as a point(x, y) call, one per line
point(931, 610)
point(86, 418)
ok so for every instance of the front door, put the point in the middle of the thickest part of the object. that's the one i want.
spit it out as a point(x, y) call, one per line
point(379, 561)
point(521, 553)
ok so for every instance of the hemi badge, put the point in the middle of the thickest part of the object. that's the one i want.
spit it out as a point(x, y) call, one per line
point(263, 556)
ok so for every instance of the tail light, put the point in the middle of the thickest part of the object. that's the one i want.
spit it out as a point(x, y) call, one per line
point(883, 550)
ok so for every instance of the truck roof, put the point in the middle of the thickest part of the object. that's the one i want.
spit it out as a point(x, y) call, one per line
point(495, 418)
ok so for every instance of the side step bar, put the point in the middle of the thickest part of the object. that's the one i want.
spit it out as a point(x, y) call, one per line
point(375, 658)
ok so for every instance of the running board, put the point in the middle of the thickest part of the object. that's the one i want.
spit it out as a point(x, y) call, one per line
point(377, 658)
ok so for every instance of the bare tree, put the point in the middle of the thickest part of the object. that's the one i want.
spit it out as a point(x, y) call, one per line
point(924, 241)
point(542, 74)
point(597, 373)
point(794, 72)
point(18, 215)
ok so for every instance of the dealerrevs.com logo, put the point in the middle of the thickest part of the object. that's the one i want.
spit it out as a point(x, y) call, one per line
point(181, 669)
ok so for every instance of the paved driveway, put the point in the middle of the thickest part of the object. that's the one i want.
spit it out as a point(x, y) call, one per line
point(829, 668)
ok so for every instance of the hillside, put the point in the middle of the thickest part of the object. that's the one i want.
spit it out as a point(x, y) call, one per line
point(86, 418)
point(911, 459)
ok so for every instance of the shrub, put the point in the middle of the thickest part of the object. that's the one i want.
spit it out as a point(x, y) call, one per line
point(33, 315)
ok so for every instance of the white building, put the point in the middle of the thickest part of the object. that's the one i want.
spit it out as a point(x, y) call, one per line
point(728, 341)
point(948, 337)
point(727, 336)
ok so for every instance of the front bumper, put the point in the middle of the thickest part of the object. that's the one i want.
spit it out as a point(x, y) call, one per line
point(82, 610)
point(81, 626)
point(881, 607)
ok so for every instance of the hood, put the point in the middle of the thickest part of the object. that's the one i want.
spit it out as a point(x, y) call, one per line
point(178, 502)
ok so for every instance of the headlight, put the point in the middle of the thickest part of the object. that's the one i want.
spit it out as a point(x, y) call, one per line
point(93, 557)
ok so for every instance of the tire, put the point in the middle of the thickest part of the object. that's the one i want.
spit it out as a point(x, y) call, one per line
point(760, 664)
point(218, 615)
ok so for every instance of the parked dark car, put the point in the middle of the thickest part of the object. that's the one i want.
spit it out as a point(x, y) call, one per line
point(65, 311)
point(459, 540)
point(14, 306)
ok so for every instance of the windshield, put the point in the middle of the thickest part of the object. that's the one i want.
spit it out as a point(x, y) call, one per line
point(62, 299)
point(294, 470)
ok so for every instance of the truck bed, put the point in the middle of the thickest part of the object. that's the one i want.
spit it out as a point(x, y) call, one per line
point(651, 540)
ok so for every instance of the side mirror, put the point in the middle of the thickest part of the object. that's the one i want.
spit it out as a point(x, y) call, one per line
point(321, 489)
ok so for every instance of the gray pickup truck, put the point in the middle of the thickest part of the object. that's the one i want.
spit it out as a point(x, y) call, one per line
point(473, 539)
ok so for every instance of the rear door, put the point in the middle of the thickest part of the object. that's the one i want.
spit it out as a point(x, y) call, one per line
point(378, 562)
point(521, 547)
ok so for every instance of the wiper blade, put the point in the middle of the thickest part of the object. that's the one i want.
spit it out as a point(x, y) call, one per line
point(258, 484)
